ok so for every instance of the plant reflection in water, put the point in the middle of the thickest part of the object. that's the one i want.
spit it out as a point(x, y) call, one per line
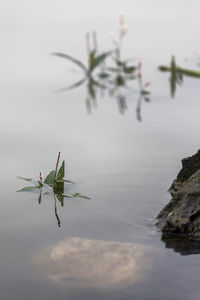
point(176, 75)
point(113, 80)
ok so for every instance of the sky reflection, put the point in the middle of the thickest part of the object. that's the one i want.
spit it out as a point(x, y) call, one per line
point(100, 264)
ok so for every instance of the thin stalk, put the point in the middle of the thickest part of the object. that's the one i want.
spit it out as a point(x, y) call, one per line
point(138, 108)
point(56, 169)
point(56, 213)
point(140, 82)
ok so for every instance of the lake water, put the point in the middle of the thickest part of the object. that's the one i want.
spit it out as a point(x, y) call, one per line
point(106, 247)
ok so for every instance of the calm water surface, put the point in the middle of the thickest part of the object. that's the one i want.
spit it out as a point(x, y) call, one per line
point(107, 247)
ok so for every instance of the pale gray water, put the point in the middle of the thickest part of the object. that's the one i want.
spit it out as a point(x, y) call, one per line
point(125, 166)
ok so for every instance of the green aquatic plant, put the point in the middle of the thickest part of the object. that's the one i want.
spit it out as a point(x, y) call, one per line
point(55, 179)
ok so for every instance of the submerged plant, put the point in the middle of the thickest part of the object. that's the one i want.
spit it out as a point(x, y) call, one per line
point(56, 181)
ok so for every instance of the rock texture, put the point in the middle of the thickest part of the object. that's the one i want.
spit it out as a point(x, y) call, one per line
point(181, 216)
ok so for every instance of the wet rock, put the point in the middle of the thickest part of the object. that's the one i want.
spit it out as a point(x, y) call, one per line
point(181, 216)
point(189, 166)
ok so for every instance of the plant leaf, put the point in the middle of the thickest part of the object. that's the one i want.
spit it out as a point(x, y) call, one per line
point(60, 198)
point(67, 196)
point(50, 178)
point(99, 59)
point(61, 172)
point(129, 70)
point(98, 84)
point(23, 178)
point(28, 188)
point(59, 183)
point(72, 59)
point(120, 63)
point(77, 195)
point(59, 187)
point(71, 87)
point(65, 180)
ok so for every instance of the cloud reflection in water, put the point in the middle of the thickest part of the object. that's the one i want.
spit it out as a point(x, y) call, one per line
point(99, 264)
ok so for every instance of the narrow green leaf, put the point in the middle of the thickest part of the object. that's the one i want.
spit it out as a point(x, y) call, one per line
point(99, 59)
point(72, 59)
point(70, 87)
point(122, 63)
point(98, 84)
point(61, 172)
point(191, 73)
point(77, 195)
point(59, 187)
point(67, 196)
point(119, 63)
point(28, 188)
point(50, 178)
point(59, 183)
point(65, 180)
point(23, 178)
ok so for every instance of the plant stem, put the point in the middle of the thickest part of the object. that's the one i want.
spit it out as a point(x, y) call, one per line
point(56, 213)
point(57, 163)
